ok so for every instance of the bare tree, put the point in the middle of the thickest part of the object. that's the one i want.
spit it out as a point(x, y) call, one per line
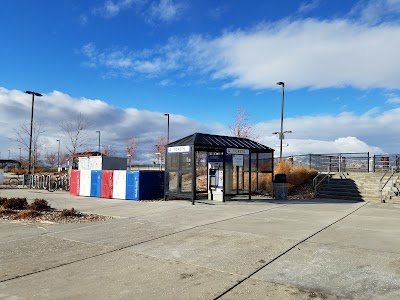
point(241, 127)
point(109, 151)
point(23, 138)
point(64, 157)
point(51, 159)
point(75, 130)
point(131, 148)
point(159, 149)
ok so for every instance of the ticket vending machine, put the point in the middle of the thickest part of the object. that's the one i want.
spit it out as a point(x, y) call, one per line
point(215, 177)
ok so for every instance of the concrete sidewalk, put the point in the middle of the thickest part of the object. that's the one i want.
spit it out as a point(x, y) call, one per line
point(316, 249)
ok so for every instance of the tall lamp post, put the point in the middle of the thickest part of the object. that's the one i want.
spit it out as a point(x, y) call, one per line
point(167, 115)
point(30, 137)
point(58, 155)
point(281, 133)
point(98, 131)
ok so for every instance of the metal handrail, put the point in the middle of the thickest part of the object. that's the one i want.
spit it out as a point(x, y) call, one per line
point(380, 182)
point(315, 184)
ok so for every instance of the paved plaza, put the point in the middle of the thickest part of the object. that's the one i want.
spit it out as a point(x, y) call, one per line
point(259, 249)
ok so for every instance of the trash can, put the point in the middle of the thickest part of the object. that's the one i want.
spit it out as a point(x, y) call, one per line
point(280, 187)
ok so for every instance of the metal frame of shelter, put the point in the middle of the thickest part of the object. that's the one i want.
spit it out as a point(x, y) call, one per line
point(182, 160)
point(10, 164)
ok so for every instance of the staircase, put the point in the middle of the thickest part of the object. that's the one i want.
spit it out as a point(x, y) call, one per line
point(360, 186)
point(392, 194)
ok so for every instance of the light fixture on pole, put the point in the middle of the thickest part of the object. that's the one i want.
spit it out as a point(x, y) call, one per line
point(167, 115)
point(30, 137)
point(98, 131)
point(281, 137)
point(58, 156)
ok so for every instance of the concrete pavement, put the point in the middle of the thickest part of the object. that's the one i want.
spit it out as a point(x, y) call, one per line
point(305, 249)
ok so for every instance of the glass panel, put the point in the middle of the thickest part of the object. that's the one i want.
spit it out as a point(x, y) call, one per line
point(246, 182)
point(265, 183)
point(172, 181)
point(186, 179)
point(246, 162)
point(201, 171)
point(186, 164)
point(228, 174)
point(265, 162)
point(173, 161)
point(254, 162)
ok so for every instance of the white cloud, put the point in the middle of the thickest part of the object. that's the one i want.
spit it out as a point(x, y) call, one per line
point(308, 6)
point(217, 12)
point(147, 62)
point(111, 9)
point(306, 53)
point(165, 82)
point(393, 99)
point(373, 132)
point(116, 125)
point(165, 10)
point(377, 130)
point(153, 12)
point(340, 145)
point(374, 11)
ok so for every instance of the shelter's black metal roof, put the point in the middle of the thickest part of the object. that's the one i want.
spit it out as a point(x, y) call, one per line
point(203, 141)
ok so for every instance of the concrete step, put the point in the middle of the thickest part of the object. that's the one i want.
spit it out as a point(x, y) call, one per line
point(360, 185)
point(340, 196)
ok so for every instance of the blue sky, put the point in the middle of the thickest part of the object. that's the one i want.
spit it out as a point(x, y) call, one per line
point(124, 63)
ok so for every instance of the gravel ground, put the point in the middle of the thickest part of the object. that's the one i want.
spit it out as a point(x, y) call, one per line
point(50, 216)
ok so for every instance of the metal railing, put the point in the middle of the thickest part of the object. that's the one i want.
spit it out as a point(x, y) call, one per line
point(381, 185)
point(346, 162)
point(326, 177)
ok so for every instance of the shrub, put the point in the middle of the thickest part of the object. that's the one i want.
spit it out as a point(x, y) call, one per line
point(15, 203)
point(39, 204)
point(24, 214)
point(296, 175)
point(6, 211)
point(2, 200)
point(68, 212)
point(283, 167)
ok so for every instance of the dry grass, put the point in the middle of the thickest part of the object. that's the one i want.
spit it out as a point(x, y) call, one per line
point(25, 214)
point(69, 213)
point(39, 204)
point(296, 176)
point(14, 203)
point(21, 172)
point(40, 211)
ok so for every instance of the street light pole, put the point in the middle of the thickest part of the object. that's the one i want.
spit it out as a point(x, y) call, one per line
point(98, 131)
point(168, 128)
point(58, 156)
point(283, 101)
point(30, 138)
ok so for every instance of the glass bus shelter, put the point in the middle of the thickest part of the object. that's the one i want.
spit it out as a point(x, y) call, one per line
point(220, 167)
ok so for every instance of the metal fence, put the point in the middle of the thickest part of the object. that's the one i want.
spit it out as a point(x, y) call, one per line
point(346, 162)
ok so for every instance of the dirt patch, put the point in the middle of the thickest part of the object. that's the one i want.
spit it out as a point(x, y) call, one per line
point(18, 209)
